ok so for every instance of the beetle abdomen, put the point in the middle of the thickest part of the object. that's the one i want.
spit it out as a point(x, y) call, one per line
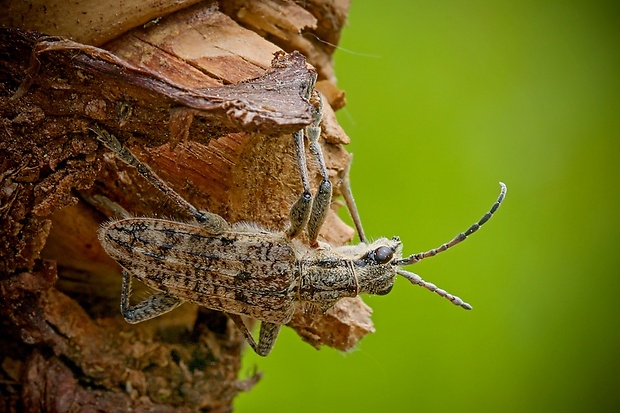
point(251, 272)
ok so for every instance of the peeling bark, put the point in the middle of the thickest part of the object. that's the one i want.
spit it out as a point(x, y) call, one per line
point(211, 116)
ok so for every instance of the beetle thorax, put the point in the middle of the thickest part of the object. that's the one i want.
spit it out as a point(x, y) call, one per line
point(328, 275)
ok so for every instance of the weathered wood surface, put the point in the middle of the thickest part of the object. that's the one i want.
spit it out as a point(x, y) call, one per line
point(193, 95)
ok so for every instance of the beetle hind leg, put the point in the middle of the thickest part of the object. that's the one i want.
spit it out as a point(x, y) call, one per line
point(213, 222)
point(266, 337)
point(152, 307)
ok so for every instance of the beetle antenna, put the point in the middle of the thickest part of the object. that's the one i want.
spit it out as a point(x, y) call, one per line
point(412, 259)
point(416, 279)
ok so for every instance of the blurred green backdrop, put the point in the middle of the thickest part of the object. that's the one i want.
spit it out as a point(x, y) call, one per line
point(445, 99)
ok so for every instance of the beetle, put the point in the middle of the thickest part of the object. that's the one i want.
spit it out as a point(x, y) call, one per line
point(242, 269)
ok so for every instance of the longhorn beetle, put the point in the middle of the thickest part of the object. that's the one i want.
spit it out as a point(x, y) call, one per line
point(241, 269)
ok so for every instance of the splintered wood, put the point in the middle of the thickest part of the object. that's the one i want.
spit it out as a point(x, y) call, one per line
point(196, 94)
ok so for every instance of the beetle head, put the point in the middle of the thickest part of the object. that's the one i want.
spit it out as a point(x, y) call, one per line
point(379, 264)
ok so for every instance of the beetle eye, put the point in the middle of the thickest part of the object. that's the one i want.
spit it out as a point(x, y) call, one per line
point(382, 255)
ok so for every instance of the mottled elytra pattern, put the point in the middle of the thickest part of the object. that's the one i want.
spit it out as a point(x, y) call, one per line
point(242, 269)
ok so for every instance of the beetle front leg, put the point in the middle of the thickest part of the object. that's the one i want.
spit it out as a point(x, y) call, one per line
point(323, 197)
point(306, 212)
point(345, 189)
point(266, 337)
point(152, 307)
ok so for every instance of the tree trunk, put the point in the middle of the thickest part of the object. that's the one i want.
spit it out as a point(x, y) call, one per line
point(207, 95)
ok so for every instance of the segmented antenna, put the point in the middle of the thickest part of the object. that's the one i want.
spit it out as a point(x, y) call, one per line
point(416, 279)
point(412, 259)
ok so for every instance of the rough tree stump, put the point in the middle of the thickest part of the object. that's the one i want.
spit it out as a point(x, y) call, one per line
point(207, 94)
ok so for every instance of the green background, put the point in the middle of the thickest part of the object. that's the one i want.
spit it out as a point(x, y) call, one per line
point(445, 99)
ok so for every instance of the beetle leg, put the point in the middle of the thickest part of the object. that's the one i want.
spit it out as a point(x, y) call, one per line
point(266, 337)
point(105, 205)
point(301, 209)
point(305, 211)
point(323, 197)
point(153, 306)
point(212, 221)
point(345, 189)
